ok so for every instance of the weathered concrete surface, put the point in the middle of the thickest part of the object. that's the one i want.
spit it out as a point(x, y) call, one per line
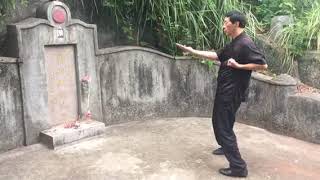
point(309, 68)
point(59, 135)
point(304, 116)
point(267, 102)
point(163, 149)
point(140, 83)
point(11, 122)
point(31, 37)
point(276, 105)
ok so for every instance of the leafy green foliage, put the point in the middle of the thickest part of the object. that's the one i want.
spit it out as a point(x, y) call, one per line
point(7, 5)
point(265, 10)
point(89, 8)
point(304, 33)
point(197, 23)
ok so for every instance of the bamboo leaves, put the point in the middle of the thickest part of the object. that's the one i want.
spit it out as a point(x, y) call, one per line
point(193, 22)
point(6, 6)
point(302, 35)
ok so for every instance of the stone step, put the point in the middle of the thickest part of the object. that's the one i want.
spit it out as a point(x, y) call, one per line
point(59, 135)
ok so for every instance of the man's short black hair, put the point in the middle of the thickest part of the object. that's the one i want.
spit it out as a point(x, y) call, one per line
point(235, 16)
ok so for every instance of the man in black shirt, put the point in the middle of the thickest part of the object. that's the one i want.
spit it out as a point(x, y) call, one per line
point(238, 59)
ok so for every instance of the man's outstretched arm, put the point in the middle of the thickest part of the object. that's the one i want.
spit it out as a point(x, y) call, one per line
point(205, 54)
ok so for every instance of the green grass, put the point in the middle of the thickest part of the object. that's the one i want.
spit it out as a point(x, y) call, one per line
point(197, 23)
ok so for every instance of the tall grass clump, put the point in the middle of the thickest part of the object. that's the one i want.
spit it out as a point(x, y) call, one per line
point(197, 23)
point(302, 35)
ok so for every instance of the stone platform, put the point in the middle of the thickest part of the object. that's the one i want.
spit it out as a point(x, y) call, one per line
point(60, 135)
point(163, 149)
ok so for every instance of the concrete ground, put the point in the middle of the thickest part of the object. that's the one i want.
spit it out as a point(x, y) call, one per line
point(163, 149)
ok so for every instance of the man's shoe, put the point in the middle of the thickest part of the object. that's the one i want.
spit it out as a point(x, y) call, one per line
point(218, 151)
point(233, 173)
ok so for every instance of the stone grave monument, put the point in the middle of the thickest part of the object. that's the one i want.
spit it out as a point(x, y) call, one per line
point(60, 89)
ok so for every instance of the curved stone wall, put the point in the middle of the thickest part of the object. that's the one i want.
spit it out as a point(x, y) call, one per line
point(11, 123)
point(139, 83)
point(309, 68)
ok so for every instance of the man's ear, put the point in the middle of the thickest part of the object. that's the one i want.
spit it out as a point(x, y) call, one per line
point(237, 23)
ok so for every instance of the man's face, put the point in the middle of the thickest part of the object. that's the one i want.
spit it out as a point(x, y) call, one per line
point(228, 28)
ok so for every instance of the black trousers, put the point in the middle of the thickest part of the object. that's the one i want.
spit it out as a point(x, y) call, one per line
point(223, 119)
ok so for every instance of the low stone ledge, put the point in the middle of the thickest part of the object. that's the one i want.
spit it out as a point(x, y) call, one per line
point(281, 80)
point(59, 135)
point(8, 60)
point(118, 49)
point(303, 120)
point(309, 68)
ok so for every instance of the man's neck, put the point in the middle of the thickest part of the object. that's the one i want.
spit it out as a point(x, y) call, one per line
point(237, 33)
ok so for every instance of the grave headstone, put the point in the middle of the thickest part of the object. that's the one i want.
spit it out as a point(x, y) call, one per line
point(56, 53)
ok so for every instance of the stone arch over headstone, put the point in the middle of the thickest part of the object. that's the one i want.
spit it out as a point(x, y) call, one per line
point(55, 53)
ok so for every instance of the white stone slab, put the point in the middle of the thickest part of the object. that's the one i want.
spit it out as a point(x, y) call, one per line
point(59, 135)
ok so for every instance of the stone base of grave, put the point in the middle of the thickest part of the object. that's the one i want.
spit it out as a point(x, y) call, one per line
point(59, 135)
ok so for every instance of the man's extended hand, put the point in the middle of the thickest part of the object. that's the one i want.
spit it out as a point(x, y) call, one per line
point(204, 54)
point(184, 48)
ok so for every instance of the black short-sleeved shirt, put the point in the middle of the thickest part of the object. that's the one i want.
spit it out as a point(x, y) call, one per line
point(233, 83)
